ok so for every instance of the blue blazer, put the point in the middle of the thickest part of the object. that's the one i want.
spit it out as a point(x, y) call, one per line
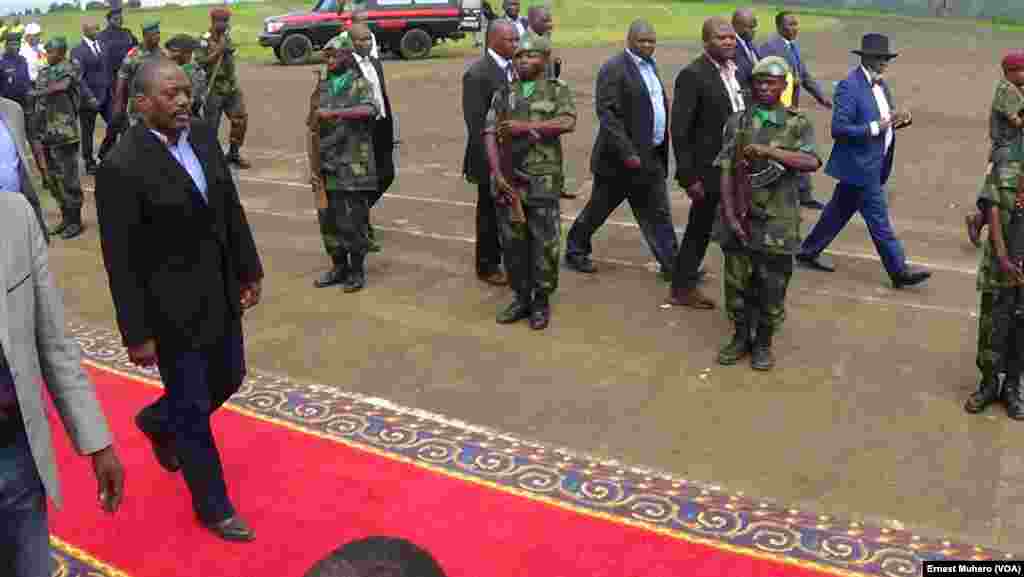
point(744, 66)
point(802, 78)
point(858, 158)
point(96, 73)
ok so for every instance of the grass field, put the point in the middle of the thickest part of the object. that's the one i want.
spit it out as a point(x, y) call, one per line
point(578, 23)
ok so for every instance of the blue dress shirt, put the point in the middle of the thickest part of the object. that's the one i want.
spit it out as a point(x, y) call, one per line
point(657, 95)
point(186, 157)
point(10, 162)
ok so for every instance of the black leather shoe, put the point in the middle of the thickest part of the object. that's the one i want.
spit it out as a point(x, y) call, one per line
point(336, 275)
point(581, 263)
point(355, 283)
point(162, 448)
point(517, 311)
point(812, 204)
point(987, 393)
point(909, 278)
point(232, 529)
point(1013, 396)
point(815, 263)
point(540, 315)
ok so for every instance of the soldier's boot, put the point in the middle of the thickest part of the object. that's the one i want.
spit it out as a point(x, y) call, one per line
point(738, 347)
point(1013, 396)
point(235, 158)
point(540, 312)
point(762, 358)
point(337, 275)
point(987, 393)
point(63, 224)
point(357, 278)
point(518, 310)
point(74, 224)
point(374, 245)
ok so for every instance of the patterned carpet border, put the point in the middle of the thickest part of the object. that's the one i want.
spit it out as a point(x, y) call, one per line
point(685, 509)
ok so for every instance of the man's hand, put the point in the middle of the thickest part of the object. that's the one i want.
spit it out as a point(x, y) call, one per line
point(901, 119)
point(758, 151)
point(504, 189)
point(143, 355)
point(695, 191)
point(512, 128)
point(1012, 271)
point(109, 478)
point(735, 225)
point(317, 183)
point(250, 296)
point(633, 162)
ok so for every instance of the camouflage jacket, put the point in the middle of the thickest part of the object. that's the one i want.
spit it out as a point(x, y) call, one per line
point(1000, 190)
point(133, 61)
point(346, 146)
point(197, 76)
point(775, 208)
point(56, 115)
point(548, 100)
point(226, 81)
point(1006, 138)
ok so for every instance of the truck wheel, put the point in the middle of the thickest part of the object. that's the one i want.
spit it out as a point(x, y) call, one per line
point(295, 49)
point(415, 44)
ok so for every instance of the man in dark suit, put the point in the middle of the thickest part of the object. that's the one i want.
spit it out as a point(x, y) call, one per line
point(479, 84)
point(630, 156)
point(89, 53)
point(706, 94)
point(864, 123)
point(785, 45)
point(384, 127)
point(744, 22)
point(182, 267)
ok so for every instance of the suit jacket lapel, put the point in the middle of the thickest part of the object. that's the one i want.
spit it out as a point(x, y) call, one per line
point(634, 71)
point(157, 150)
point(716, 81)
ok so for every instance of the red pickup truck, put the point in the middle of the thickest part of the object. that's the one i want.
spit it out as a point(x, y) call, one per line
point(409, 28)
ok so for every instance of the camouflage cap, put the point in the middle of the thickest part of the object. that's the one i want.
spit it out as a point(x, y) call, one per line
point(771, 66)
point(150, 26)
point(534, 43)
point(340, 42)
point(56, 43)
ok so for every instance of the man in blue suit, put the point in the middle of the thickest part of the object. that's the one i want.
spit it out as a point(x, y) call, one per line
point(864, 122)
point(744, 22)
point(95, 73)
point(785, 45)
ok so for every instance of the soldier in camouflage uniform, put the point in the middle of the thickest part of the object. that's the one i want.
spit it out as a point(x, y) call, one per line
point(126, 89)
point(180, 49)
point(524, 148)
point(348, 169)
point(998, 275)
point(58, 93)
point(540, 22)
point(778, 146)
point(216, 55)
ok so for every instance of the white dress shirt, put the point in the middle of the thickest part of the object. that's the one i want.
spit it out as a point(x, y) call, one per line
point(502, 63)
point(370, 73)
point(93, 45)
point(650, 78)
point(884, 111)
point(727, 72)
point(183, 153)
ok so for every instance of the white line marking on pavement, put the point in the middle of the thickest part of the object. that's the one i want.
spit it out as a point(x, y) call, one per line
point(939, 266)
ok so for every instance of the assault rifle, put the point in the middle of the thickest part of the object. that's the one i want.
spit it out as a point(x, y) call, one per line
point(742, 192)
point(313, 121)
point(512, 155)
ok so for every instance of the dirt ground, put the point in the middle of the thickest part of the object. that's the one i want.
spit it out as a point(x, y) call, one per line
point(862, 418)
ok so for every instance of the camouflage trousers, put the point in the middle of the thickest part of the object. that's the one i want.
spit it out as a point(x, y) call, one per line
point(343, 224)
point(233, 106)
point(755, 283)
point(531, 249)
point(998, 347)
point(62, 178)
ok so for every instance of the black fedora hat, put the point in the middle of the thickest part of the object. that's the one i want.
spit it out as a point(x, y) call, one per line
point(875, 45)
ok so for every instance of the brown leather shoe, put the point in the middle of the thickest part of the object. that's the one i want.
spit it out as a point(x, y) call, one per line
point(232, 529)
point(692, 298)
point(496, 278)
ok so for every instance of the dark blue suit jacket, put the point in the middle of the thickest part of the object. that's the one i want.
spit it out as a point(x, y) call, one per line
point(744, 66)
point(802, 76)
point(95, 71)
point(858, 158)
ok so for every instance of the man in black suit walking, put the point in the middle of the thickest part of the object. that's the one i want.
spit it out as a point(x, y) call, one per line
point(744, 22)
point(630, 156)
point(706, 94)
point(182, 267)
point(89, 53)
point(479, 84)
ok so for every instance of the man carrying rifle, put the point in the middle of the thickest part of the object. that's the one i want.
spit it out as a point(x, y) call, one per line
point(524, 150)
point(343, 164)
point(766, 149)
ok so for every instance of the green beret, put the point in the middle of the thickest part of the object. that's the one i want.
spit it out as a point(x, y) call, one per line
point(151, 26)
point(57, 43)
point(181, 42)
point(340, 42)
point(531, 42)
point(771, 66)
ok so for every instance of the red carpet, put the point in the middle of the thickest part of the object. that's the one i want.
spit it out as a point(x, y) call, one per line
point(305, 495)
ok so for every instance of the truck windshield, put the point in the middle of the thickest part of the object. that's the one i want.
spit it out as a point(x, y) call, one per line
point(326, 6)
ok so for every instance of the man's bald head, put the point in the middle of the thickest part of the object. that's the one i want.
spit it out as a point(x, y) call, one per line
point(152, 74)
point(359, 28)
point(745, 23)
point(503, 37)
point(538, 18)
point(90, 26)
point(641, 39)
point(712, 25)
point(719, 39)
point(639, 27)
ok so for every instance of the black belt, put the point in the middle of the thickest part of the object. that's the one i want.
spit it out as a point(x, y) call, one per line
point(10, 426)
